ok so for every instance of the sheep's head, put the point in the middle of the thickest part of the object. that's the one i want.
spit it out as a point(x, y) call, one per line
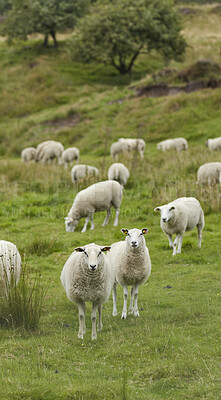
point(93, 255)
point(134, 237)
point(167, 212)
point(70, 224)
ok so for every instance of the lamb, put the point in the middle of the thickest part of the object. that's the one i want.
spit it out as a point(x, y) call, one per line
point(28, 154)
point(88, 276)
point(97, 197)
point(179, 216)
point(118, 148)
point(69, 155)
point(81, 171)
point(118, 172)
point(177, 144)
point(135, 144)
point(209, 173)
point(132, 266)
point(214, 144)
point(10, 265)
point(51, 151)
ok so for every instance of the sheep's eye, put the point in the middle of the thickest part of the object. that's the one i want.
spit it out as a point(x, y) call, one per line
point(99, 253)
point(85, 253)
point(128, 234)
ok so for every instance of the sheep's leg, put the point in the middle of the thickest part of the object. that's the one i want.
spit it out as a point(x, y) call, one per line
point(124, 312)
point(141, 153)
point(175, 243)
point(93, 320)
point(136, 312)
point(131, 308)
point(114, 300)
point(85, 225)
point(170, 238)
point(107, 218)
point(92, 223)
point(99, 325)
point(180, 243)
point(81, 310)
point(116, 217)
point(199, 229)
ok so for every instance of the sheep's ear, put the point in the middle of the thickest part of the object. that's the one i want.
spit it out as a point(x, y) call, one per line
point(68, 219)
point(144, 231)
point(125, 231)
point(106, 248)
point(79, 249)
point(157, 209)
point(172, 208)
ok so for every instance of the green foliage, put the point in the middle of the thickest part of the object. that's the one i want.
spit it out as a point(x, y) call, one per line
point(118, 32)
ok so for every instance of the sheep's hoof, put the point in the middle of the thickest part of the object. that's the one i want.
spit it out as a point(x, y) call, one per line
point(136, 314)
point(94, 336)
point(123, 316)
point(130, 311)
point(80, 335)
point(100, 327)
point(114, 313)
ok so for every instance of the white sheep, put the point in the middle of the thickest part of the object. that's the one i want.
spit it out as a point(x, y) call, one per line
point(132, 266)
point(80, 171)
point(118, 148)
point(100, 196)
point(28, 154)
point(69, 155)
point(209, 173)
point(118, 172)
point(177, 144)
point(135, 144)
point(214, 144)
point(179, 216)
point(10, 265)
point(40, 148)
point(51, 151)
point(88, 276)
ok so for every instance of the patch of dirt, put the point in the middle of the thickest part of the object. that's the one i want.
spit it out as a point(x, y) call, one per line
point(58, 123)
point(201, 69)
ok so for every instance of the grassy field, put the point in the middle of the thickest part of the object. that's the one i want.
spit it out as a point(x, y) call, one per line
point(172, 351)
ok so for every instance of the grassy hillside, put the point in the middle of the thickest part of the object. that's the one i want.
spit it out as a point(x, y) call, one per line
point(173, 350)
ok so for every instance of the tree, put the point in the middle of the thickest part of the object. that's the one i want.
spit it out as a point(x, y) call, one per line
point(43, 16)
point(117, 31)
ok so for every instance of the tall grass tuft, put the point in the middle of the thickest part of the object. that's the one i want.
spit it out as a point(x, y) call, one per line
point(21, 305)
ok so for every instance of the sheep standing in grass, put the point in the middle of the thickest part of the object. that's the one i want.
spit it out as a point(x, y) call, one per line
point(80, 171)
point(209, 173)
point(118, 148)
point(69, 155)
point(132, 266)
point(88, 276)
point(214, 144)
point(10, 265)
point(51, 151)
point(179, 216)
point(28, 154)
point(177, 144)
point(98, 197)
point(119, 173)
point(40, 148)
point(135, 144)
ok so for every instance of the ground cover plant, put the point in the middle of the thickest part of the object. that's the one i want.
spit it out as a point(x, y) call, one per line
point(173, 350)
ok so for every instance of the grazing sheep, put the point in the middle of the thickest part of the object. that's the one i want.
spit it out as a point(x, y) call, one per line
point(69, 155)
point(118, 148)
point(88, 276)
point(40, 148)
point(214, 144)
point(10, 265)
point(132, 266)
point(28, 154)
point(177, 144)
point(209, 173)
point(51, 151)
point(97, 197)
point(135, 144)
point(179, 216)
point(81, 171)
point(118, 172)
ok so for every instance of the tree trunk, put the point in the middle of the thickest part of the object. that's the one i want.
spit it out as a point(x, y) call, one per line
point(53, 34)
point(45, 44)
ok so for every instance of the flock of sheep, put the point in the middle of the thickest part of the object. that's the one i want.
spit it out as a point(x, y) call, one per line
point(92, 271)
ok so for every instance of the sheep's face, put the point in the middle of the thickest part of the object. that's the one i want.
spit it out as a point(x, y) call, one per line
point(70, 224)
point(134, 236)
point(167, 212)
point(93, 255)
point(159, 146)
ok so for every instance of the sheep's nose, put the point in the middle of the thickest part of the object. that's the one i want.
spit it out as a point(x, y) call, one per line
point(133, 244)
point(164, 219)
point(93, 267)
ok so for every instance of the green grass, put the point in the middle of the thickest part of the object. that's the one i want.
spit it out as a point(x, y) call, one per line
point(173, 350)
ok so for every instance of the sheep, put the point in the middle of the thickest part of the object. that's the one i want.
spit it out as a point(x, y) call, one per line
point(214, 144)
point(97, 197)
point(88, 276)
point(28, 154)
point(135, 144)
point(177, 144)
point(118, 172)
point(131, 262)
point(10, 265)
point(209, 173)
point(81, 171)
point(40, 148)
point(179, 216)
point(50, 152)
point(69, 155)
point(119, 147)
